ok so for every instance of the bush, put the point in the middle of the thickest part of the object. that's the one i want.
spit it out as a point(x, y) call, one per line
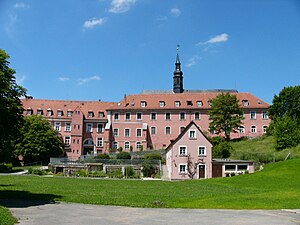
point(81, 173)
point(103, 156)
point(222, 150)
point(123, 155)
point(5, 167)
point(148, 169)
point(130, 173)
point(115, 174)
point(97, 174)
point(153, 156)
point(39, 172)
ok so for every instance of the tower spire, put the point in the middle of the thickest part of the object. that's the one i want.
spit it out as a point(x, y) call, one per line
point(178, 75)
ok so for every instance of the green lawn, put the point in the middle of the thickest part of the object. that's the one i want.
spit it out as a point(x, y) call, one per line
point(276, 187)
point(5, 217)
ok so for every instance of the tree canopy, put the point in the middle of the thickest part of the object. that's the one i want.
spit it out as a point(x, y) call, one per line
point(39, 141)
point(225, 114)
point(285, 114)
point(11, 109)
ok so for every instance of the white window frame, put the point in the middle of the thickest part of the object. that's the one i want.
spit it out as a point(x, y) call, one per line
point(127, 143)
point(182, 116)
point(89, 128)
point(116, 132)
point(182, 168)
point(127, 132)
point(242, 129)
point(143, 104)
point(153, 128)
point(68, 126)
point(127, 116)
point(99, 141)
point(67, 140)
point(180, 150)
point(177, 103)
point(116, 116)
point(139, 117)
point(39, 112)
point(198, 117)
point(153, 114)
point(138, 145)
point(90, 114)
point(199, 103)
point(264, 128)
point(201, 149)
point(265, 115)
point(115, 145)
point(69, 113)
point(253, 115)
point(169, 114)
point(139, 134)
point(194, 136)
point(253, 129)
point(162, 104)
point(57, 126)
point(169, 128)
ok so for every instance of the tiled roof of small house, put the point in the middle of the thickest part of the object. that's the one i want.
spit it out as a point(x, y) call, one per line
point(186, 100)
point(67, 105)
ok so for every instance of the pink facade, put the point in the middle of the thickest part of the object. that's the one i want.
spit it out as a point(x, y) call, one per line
point(190, 153)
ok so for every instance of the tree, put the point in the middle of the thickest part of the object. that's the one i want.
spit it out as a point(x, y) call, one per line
point(123, 155)
point(285, 114)
point(192, 166)
point(225, 114)
point(39, 141)
point(11, 109)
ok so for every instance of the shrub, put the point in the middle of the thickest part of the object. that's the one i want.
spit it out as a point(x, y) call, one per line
point(97, 174)
point(5, 167)
point(222, 150)
point(153, 156)
point(130, 173)
point(103, 156)
point(81, 173)
point(148, 169)
point(123, 155)
point(115, 174)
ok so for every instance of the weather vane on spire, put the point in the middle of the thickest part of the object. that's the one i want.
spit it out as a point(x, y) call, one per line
point(177, 48)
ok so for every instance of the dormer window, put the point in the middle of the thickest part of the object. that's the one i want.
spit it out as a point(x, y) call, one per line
point(245, 102)
point(60, 112)
point(209, 102)
point(29, 111)
point(162, 104)
point(101, 115)
point(40, 111)
point(189, 103)
point(177, 104)
point(49, 112)
point(69, 113)
point(199, 103)
point(90, 114)
point(143, 103)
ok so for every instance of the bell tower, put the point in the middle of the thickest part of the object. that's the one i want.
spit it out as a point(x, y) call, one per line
point(178, 75)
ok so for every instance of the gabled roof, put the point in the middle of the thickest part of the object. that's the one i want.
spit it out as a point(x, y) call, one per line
point(173, 142)
point(188, 100)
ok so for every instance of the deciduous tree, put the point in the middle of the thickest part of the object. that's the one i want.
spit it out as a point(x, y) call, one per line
point(11, 109)
point(225, 114)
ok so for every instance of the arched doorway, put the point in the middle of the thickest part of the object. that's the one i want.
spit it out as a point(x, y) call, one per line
point(88, 146)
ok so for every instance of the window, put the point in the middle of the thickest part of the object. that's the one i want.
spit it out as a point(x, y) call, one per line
point(168, 130)
point(115, 145)
point(189, 103)
point(177, 104)
point(127, 116)
point(40, 111)
point(90, 114)
point(242, 167)
point(57, 126)
point(265, 129)
point(153, 116)
point(67, 140)
point(209, 102)
point(29, 111)
point(143, 103)
point(101, 115)
point(230, 168)
point(99, 141)
point(127, 132)
point(116, 116)
point(60, 112)
point(100, 127)
point(253, 129)
point(127, 145)
point(89, 127)
point(182, 150)
point(265, 115)
point(197, 116)
point(153, 130)
point(162, 104)
point(139, 132)
point(67, 126)
point(245, 102)
point(242, 129)
point(116, 132)
point(182, 168)
point(49, 112)
point(199, 103)
point(201, 150)
point(77, 112)
point(182, 116)
point(139, 145)
point(168, 116)
point(192, 134)
point(139, 116)
point(252, 115)
point(69, 113)
point(182, 129)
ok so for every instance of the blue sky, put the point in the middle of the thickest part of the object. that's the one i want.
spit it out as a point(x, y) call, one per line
point(103, 49)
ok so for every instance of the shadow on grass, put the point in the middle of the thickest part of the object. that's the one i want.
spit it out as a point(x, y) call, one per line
point(22, 199)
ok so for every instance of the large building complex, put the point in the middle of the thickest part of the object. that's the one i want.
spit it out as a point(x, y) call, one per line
point(149, 120)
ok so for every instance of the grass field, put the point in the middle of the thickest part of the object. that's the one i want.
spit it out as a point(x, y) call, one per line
point(276, 187)
point(5, 217)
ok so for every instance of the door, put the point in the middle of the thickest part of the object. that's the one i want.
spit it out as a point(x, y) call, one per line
point(201, 171)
